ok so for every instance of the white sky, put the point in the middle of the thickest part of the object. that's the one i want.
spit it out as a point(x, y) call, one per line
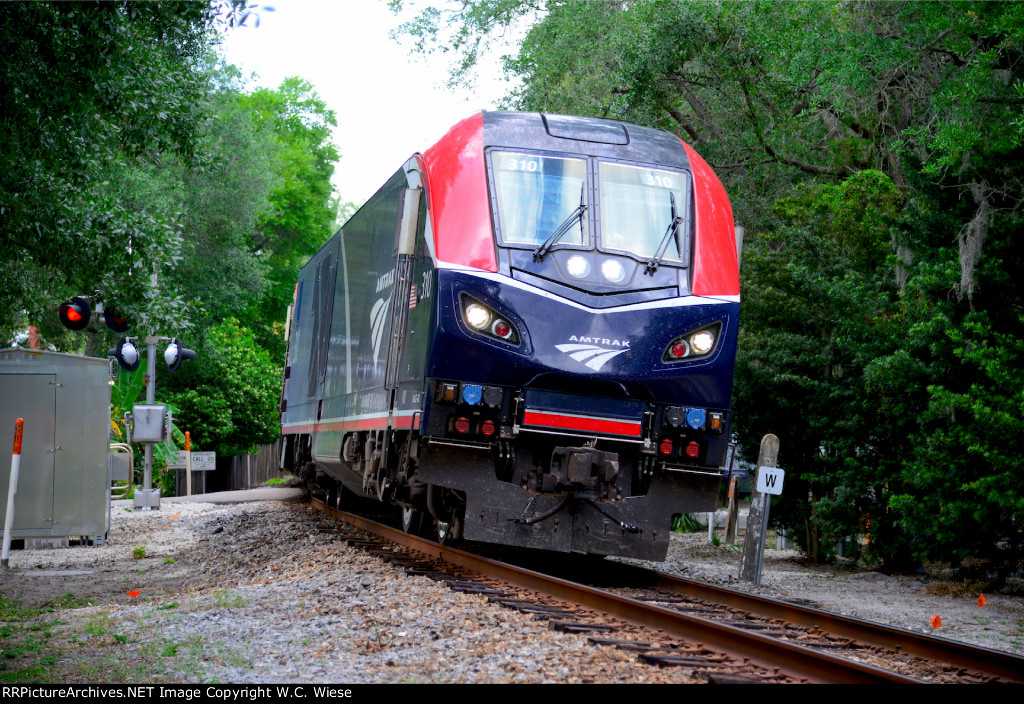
point(389, 104)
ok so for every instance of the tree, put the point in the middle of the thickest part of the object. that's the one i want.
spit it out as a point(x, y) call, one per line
point(137, 171)
point(262, 205)
point(229, 402)
point(820, 360)
point(90, 92)
point(220, 206)
point(302, 204)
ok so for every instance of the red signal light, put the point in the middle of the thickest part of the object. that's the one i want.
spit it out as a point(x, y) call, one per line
point(115, 321)
point(74, 314)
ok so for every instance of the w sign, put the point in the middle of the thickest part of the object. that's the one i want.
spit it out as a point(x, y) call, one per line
point(769, 480)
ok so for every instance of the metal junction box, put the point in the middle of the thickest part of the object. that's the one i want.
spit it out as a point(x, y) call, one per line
point(63, 483)
point(148, 422)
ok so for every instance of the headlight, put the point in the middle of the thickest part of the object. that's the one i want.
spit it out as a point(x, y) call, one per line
point(693, 345)
point(577, 266)
point(613, 270)
point(486, 321)
point(702, 342)
point(477, 316)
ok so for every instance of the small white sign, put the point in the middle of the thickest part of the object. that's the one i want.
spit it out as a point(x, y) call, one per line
point(180, 457)
point(204, 461)
point(769, 480)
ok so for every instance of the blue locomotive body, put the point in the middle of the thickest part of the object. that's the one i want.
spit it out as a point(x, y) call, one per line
point(526, 337)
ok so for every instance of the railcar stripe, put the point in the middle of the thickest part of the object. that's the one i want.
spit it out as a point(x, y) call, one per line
point(375, 422)
point(564, 421)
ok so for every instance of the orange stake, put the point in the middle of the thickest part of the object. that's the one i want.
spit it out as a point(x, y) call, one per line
point(12, 491)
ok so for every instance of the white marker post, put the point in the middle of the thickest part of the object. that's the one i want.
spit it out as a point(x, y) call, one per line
point(12, 490)
point(769, 482)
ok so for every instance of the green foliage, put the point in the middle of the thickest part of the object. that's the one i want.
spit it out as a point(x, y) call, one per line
point(271, 151)
point(123, 395)
point(227, 396)
point(221, 205)
point(91, 92)
point(818, 348)
point(136, 169)
point(686, 523)
point(301, 206)
point(966, 471)
point(873, 153)
point(466, 30)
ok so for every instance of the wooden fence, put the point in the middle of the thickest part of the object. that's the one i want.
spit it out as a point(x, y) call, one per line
point(248, 471)
point(233, 473)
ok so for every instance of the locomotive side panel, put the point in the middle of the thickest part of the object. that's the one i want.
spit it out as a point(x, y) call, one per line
point(314, 295)
point(348, 324)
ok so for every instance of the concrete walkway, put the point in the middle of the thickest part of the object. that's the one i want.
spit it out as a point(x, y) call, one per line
point(262, 493)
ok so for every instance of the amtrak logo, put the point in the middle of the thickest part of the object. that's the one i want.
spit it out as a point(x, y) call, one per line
point(591, 355)
point(378, 317)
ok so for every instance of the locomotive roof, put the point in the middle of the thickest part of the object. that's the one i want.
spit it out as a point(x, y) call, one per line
point(583, 135)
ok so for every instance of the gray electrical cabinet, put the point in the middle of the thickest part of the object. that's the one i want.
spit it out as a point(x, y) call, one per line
point(63, 482)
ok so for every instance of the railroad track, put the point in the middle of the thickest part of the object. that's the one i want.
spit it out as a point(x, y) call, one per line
point(717, 634)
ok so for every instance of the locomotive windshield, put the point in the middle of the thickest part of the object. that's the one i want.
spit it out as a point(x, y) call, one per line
point(543, 203)
point(638, 205)
point(537, 194)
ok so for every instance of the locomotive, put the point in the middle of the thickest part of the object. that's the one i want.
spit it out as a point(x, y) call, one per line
point(526, 337)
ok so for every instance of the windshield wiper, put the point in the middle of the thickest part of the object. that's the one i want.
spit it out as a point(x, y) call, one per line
point(673, 229)
point(542, 249)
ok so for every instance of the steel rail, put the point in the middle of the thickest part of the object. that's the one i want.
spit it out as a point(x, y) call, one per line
point(796, 660)
point(993, 663)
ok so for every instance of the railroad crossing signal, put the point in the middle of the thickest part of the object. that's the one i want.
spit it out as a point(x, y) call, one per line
point(113, 320)
point(175, 354)
point(75, 314)
point(126, 354)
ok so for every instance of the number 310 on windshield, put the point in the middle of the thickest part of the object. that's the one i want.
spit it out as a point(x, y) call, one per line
point(660, 180)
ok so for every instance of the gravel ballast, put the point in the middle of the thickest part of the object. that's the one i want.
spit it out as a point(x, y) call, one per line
point(268, 592)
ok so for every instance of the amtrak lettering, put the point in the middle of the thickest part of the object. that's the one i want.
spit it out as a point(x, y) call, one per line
point(600, 341)
point(385, 280)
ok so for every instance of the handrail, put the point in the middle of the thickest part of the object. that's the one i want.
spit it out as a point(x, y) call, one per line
point(121, 492)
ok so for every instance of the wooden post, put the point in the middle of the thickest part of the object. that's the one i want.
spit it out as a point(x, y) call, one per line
point(733, 517)
point(188, 462)
point(757, 519)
